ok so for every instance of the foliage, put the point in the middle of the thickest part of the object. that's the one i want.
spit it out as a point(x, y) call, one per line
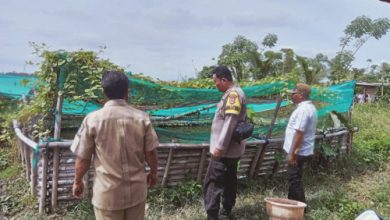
point(311, 70)
point(373, 139)
point(206, 83)
point(363, 28)
point(247, 61)
point(8, 109)
point(236, 56)
point(205, 73)
point(357, 33)
point(270, 40)
point(17, 196)
point(337, 202)
point(178, 196)
point(75, 75)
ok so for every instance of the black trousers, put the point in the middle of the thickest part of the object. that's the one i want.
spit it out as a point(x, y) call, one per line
point(220, 183)
point(296, 190)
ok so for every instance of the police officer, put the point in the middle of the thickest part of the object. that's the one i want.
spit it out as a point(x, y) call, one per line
point(120, 138)
point(221, 178)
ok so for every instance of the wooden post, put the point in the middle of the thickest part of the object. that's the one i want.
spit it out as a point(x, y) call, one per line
point(350, 133)
point(258, 159)
point(42, 200)
point(165, 177)
point(21, 152)
point(201, 165)
point(34, 174)
point(56, 153)
point(26, 152)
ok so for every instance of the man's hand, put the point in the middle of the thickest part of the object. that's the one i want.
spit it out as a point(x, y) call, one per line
point(152, 179)
point(293, 160)
point(78, 189)
point(217, 153)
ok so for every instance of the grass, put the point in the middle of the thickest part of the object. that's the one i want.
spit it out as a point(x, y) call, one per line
point(342, 190)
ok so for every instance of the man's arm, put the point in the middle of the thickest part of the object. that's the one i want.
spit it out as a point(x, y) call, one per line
point(226, 134)
point(81, 166)
point(296, 145)
point(152, 159)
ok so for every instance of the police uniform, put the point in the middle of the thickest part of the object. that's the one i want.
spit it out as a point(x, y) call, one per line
point(221, 177)
point(118, 136)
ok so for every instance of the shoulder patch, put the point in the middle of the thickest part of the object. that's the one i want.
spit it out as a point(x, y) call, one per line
point(233, 105)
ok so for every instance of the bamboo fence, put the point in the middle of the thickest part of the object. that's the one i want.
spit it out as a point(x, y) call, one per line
point(50, 165)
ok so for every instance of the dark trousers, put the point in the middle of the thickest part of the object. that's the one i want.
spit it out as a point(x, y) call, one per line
point(220, 182)
point(295, 190)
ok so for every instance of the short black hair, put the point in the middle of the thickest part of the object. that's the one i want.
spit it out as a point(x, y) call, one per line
point(115, 84)
point(223, 72)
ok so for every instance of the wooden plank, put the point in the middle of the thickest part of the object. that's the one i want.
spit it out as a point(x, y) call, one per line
point(42, 200)
point(261, 150)
point(34, 173)
point(201, 166)
point(56, 151)
point(164, 180)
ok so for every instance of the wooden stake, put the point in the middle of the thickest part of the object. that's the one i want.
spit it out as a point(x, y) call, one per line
point(56, 155)
point(166, 171)
point(42, 201)
point(201, 165)
point(262, 148)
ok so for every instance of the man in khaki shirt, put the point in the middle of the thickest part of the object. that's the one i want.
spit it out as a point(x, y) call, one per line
point(221, 178)
point(120, 138)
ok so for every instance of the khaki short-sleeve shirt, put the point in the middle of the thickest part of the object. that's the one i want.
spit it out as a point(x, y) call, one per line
point(118, 136)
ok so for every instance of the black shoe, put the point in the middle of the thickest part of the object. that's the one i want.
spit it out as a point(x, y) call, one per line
point(225, 214)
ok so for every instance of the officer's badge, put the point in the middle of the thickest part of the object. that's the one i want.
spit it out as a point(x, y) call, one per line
point(233, 105)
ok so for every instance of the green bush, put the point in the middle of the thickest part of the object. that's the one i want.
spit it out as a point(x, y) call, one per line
point(178, 196)
point(373, 138)
point(336, 202)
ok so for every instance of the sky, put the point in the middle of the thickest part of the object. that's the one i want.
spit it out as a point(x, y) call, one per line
point(174, 39)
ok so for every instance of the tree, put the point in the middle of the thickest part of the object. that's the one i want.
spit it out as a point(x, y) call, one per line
point(236, 56)
point(339, 66)
point(361, 29)
point(311, 70)
point(357, 33)
point(205, 73)
point(269, 41)
point(262, 64)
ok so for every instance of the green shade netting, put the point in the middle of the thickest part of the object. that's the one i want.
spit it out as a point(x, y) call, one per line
point(14, 86)
point(79, 107)
point(153, 93)
point(206, 109)
point(191, 122)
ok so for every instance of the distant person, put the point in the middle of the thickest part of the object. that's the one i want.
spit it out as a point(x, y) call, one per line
point(361, 98)
point(299, 139)
point(120, 138)
point(221, 178)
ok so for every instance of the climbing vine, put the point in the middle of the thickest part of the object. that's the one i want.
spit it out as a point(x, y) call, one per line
point(75, 75)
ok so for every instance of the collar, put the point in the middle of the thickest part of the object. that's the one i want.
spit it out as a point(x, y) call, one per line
point(305, 102)
point(230, 89)
point(116, 102)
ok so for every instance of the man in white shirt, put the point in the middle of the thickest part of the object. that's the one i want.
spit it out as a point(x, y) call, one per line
point(299, 139)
